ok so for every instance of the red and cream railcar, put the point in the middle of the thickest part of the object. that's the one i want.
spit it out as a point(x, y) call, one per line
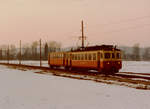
point(56, 59)
point(103, 60)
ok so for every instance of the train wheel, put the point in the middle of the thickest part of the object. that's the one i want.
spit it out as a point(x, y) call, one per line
point(114, 70)
point(51, 67)
point(66, 68)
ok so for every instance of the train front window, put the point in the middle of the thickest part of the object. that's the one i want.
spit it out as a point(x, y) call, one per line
point(113, 55)
point(107, 55)
point(118, 56)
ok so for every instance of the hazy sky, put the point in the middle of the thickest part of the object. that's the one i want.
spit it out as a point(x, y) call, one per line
point(119, 22)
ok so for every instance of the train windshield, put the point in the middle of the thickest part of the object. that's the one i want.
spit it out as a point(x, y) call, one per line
point(113, 55)
point(107, 55)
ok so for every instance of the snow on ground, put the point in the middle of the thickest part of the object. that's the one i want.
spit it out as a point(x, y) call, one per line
point(34, 63)
point(27, 90)
point(136, 66)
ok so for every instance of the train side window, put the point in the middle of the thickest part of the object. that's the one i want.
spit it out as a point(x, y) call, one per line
point(107, 55)
point(113, 55)
point(94, 56)
point(78, 56)
point(82, 57)
point(56, 55)
point(85, 56)
point(118, 56)
point(89, 56)
point(72, 56)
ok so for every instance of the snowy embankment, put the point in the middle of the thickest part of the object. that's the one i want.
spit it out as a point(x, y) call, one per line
point(27, 90)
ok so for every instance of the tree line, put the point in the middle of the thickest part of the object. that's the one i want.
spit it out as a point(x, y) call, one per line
point(29, 51)
point(136, 53)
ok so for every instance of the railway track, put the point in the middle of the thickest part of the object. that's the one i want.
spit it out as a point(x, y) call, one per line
point(134, 80)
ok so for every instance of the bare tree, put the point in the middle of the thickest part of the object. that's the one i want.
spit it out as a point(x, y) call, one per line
point(26, 53)
point(46, 51)
point(146, 54)
point(136, 52)
point(12, 51)
point(34, 50)
point(4, 51)
point(54, 46)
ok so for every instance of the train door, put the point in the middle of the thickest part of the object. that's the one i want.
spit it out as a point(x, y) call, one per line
point(64, 55)
point(70, 60)
point(66, 60)
point(98, 60)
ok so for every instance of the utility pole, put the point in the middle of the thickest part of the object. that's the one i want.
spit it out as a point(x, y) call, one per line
point(82, 34)
point(82, 37)
point(20, 54)
point(40, 55)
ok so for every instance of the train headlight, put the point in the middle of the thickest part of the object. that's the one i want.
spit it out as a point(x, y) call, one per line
point(119, 62)
point(108, 63)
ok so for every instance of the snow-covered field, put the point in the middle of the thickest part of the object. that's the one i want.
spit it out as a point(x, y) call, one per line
point(27, 90)
point(34, 63)
point(136, 66)
point(128, 66)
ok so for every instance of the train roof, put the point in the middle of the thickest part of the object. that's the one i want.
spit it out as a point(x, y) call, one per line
point(97, 47)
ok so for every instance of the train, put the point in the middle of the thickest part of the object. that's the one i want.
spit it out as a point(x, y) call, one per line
point(102, 58)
